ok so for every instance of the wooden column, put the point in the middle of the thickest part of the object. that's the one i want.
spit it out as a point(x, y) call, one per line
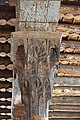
point(35, 57)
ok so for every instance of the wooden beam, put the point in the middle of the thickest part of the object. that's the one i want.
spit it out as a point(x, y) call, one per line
point(37, 35)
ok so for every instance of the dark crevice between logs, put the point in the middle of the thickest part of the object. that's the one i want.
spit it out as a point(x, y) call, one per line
point(7, 28)
point(5, 47)
point(7, 12)
point(69, 2)
point(5, 60)
point(6, 73)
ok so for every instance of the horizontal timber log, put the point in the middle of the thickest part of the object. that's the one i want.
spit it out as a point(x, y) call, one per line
point(64, 107)
point(69, 72)
point(67, 81)
point(66, 99)
point(70, 10)
point(64, 115)
point(11, 22)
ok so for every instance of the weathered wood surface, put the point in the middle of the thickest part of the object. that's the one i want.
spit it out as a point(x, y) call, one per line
point(74, 10)
point(65, 107)
point(9, 67)
point(69, 72)
point(70, 14)
point(67, 81)
point(36, 35)
point(39, 11)
point(35, 47)
point(69, 18)
point(64, 115)
point(70, 47)
point(66, 87)
point(3, 40)
point(3, 54)
point(10, 79)
point(66, 92)
point(11, 22)
point(68, 59)
point(38, 15)
point(66, 99)
point(69, 32)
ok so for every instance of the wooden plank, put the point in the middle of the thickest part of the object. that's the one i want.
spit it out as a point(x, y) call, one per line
point(3, 54)
point(67, 81)
point(37, 35)
point(69, 72)
point(9, 67)
point(70, 47)
point(66, 92)
point(63, 118)
point(64, 115)
point(66, 99)
point(10, 79)
point(64, 107)
point(69, 59)
point(68, 67)
point(71, 44)
point(11, 22)
point(69, 32)
point(3, 39)
point(65, 9)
